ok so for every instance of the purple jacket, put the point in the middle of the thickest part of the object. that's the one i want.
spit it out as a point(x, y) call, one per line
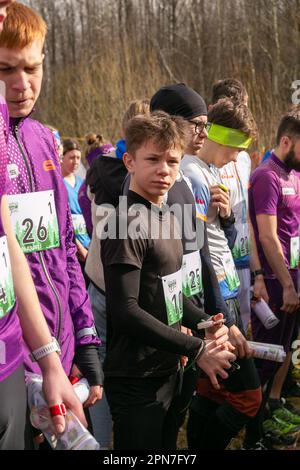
point(56, 272)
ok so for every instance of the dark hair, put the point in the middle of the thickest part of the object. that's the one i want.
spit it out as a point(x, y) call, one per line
point(166, 131)
point(70, 144)
point(228, 114)
point(229, 88)
point(289, 124)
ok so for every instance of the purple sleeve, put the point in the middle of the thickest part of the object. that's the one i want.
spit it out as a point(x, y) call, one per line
point(79, 302)
point(85, 206)
point(265, 189)
point(3, 149)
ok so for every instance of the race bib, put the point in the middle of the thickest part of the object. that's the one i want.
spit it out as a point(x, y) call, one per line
point(79, 224)
point(172, 285)
point(34, 220)
point(7, 295)
point(192, 274)
point(294, 257)
point(242, 244)
point(231, 275)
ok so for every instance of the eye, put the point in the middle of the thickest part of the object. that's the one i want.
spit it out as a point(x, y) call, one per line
point(6, 69)
point(31, 70)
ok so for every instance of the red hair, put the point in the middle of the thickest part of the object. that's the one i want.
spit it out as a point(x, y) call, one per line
point(22, 27)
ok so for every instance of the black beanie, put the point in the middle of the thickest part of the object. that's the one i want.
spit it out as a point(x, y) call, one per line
point(178, 100)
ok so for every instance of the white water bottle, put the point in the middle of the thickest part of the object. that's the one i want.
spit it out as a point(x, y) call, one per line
point(265, 314)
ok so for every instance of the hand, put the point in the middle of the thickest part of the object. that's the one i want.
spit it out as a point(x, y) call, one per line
point(214, 360)
point(290, 299)
point(259, 289)
point(96, 392)
point(82, 254)
point(218, 332)
point(220, 199)
point(58, 389)
point(238, 340)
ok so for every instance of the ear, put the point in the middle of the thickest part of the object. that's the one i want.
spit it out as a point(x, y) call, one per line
point(129, 162)
point(285, 142)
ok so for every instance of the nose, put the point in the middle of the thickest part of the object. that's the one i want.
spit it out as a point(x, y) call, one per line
point(204, 133)
point(21, 83)
point(163, 168)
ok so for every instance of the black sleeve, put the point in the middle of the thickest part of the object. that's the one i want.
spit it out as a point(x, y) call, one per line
point(88, 362)
point(229, 229)
point(122, 283)
point(213, 300)
point(192, 314)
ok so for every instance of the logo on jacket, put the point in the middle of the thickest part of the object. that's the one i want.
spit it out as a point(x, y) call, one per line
point(13, 171)
point(48, 165)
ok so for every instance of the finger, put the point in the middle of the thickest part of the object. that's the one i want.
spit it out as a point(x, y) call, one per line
point(247, 349)
point(59, 424)
point(222, 373)
point(230, 357)
point(217, 317)
point(220, 331)
point(214, 381)
point(93, 398)
point(222, 339)
point(77, 410)
point(229, 346)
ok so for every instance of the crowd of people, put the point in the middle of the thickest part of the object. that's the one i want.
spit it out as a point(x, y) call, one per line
point(144, 276)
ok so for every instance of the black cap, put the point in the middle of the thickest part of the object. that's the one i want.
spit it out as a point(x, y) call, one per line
point(179, 100)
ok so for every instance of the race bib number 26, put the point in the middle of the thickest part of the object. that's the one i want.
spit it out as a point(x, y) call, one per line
point(34, 220)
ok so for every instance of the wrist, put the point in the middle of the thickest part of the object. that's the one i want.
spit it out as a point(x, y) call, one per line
point(45, 350)
point(51, 362)
point(199, 351)
point(258, 273)
point(288, 286)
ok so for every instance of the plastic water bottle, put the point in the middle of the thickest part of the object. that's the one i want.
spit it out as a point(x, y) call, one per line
point(271, 352)
point(265, 314)
point(75, 435)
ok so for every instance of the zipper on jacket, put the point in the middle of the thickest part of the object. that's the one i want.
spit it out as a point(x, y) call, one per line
point(40, 254)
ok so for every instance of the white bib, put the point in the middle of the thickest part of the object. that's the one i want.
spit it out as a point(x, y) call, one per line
point(294, 258)
point(192, 274)
point(242, 244)
point(172, 285)
point(232, 277)
point(7, 295)
point(34, 220)
point(79, 224)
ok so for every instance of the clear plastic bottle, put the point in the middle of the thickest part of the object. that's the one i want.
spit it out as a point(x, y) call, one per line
point(271, 352)
point(75, 435)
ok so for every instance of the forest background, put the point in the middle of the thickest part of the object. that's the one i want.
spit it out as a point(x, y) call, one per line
point(101, 54)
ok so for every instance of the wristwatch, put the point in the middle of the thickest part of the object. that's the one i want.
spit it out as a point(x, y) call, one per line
point(45, 350)
point(258, 272)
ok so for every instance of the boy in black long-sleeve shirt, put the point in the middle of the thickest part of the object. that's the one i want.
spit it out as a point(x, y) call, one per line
point(142, 259)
